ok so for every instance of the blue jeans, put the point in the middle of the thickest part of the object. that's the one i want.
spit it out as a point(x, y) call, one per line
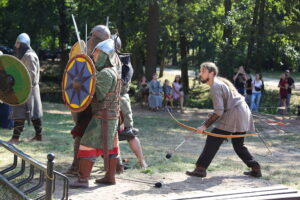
point(255, 100)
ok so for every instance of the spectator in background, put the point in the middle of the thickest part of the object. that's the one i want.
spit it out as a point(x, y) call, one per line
point(291, 85)
point(143, 90)
point(283, 87)
point(257, 87)
point(168, 99)
point(154, 99)
point(239, 80)
point(248, 89)
point(178, 91)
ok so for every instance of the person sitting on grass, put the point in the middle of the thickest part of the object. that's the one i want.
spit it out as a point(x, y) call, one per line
point(155, 89)
point(168, 99)
point(143, 90)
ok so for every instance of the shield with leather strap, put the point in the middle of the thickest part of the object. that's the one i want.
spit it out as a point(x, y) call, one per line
point(75, 50)
point(15, 81)
point(78, 83)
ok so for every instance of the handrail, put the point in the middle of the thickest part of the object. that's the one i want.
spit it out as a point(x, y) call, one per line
point(45, 172)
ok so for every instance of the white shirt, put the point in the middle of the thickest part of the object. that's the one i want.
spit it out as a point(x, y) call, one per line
point(257, 84)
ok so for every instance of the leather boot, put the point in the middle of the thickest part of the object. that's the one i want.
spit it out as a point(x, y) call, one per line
point(37, 138)
point(85, 168)
point(199, 171)
point(255, 172)
point(109, 178)
point(74, 169)
point(120, 166)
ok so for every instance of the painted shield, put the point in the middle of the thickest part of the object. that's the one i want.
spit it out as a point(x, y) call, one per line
point(15, 81)
point(75, 50)
point(78, 84)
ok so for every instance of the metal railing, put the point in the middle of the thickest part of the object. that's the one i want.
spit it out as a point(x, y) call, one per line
point(46, 173)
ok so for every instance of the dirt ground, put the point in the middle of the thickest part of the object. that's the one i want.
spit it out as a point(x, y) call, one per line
point(285, 159)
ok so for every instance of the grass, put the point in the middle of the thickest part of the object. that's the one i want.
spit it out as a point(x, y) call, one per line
point(159, 134)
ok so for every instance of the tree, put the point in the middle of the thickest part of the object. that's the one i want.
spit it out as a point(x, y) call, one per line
point(183, 45)
point(152, 39)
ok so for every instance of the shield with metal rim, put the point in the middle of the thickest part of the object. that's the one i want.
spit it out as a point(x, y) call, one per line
point(15, 81)
point(78, 84)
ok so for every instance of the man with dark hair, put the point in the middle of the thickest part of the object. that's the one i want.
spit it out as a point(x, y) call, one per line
point(234, 118)
point(32, 109)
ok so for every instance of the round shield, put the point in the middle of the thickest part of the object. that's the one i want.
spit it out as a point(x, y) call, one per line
point(78, 84)
point(75, 50)
point(15, 81)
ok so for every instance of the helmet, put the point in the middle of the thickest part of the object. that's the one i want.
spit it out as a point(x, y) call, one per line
point(107, 47)
point(118, 42)
point(1, 53)
point(23, 38)
point(102, 32)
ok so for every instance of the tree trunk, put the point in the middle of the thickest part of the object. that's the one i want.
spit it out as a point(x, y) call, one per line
point(227, 32)
point(260, 36)
point(251, 40)
point(183, 45)
point(137, 62)
point(162, 61)
point(152, 39)
point(174, 53)
point(63, 33)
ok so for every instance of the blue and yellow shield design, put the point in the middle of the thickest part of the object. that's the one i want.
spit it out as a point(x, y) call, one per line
point(78, 84)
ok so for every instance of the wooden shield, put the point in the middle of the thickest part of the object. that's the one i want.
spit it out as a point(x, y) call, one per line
point(15, 81)
point(75, 50)
point(78, 84)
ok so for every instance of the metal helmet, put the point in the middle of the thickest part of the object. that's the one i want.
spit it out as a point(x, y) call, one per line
point(102, 32)
point(118, 42)
point(107, 47)
point(23, 38)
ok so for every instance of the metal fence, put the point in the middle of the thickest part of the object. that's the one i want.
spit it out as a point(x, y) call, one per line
point(20, 180)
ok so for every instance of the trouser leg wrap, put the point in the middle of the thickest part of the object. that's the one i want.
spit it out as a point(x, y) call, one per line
point(18, 128)
point(37, 124)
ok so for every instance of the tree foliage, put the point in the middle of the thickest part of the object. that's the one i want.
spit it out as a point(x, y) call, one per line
point(259, 34)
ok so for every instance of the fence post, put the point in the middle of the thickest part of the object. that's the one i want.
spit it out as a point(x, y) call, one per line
point(49, 176)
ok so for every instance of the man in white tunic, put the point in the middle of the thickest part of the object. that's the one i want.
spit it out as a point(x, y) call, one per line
point(234, 118)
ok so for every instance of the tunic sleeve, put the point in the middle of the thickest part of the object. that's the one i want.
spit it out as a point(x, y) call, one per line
point(32, 66)
point(217, 99)
point(103, 83)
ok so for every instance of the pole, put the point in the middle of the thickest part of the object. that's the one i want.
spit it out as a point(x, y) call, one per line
point(49, 176)
point(77, 34)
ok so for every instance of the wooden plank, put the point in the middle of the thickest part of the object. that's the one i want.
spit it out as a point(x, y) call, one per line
point(257, 195)
point(294, 196)
point(279, 189)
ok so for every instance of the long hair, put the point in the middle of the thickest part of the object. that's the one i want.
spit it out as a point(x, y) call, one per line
point(212, 67)
point(179, 81)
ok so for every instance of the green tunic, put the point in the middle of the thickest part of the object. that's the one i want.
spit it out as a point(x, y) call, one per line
point(106, 81)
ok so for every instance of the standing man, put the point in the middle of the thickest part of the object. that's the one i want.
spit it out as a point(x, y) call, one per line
point(291, 85)
point(129, 133)
point(234, 118)
point(100, 137)
point(98, 34)
point(32, 109)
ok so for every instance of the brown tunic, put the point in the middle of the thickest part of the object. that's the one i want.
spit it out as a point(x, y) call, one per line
point(235, 115)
